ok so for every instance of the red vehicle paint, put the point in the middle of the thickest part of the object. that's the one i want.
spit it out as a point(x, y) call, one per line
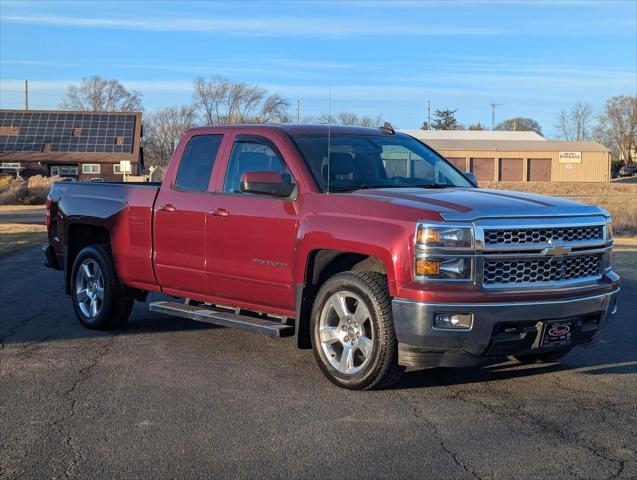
point(258, 252)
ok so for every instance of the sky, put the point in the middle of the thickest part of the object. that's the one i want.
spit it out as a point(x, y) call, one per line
point(533, 58)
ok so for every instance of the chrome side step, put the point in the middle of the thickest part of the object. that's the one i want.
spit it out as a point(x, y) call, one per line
point(222, 317)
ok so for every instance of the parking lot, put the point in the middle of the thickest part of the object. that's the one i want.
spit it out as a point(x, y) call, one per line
point(171, 398)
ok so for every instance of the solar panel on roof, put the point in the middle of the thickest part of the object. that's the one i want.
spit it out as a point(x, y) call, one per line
point(97, 132)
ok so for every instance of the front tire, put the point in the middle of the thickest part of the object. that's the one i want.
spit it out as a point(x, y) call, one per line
point(97, 294)
point(353, 331)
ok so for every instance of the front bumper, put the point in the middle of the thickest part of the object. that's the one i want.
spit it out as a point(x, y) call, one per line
point(498, 328)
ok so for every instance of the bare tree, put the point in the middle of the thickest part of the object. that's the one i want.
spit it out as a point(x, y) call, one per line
point(346, 118)
point(97, 94)
point(162, 130)
point(617, 128)
point(575, 124)
point(476, 126)
point(219, 100)
point(520, 124)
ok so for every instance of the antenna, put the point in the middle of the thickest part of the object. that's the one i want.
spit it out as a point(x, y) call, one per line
point(493, 107)
point(428, 114)
point(26, 94)
point(298, 111)
point(329, 135)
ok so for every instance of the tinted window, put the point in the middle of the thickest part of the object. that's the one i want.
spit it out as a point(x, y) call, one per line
point(250, 156)
point(375, 161)
point(197, 162)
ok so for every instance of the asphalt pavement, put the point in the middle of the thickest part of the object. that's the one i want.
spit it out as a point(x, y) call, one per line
point(171, 398)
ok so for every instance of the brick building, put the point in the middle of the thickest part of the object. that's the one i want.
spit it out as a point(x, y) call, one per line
point(81, 145)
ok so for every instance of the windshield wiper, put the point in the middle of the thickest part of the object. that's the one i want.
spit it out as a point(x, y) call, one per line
point(348, 188)
point(435, 185)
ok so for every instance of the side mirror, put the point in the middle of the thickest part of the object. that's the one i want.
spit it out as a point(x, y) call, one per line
point(471, 177)
point(266, 183)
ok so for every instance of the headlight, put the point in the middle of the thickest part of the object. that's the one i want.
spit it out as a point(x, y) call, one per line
point(444, 252)
point(444, 237)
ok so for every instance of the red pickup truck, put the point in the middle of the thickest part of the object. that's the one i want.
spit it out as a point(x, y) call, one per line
point(364, 244)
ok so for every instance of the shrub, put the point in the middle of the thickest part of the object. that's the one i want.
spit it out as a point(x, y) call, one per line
point(21, 192)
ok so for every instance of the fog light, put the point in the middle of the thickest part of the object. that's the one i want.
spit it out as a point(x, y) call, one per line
point(453, 321)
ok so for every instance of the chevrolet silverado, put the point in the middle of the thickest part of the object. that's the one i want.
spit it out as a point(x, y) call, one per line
point(363, 244)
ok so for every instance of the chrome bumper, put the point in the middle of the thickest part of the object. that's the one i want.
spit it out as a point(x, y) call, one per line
point(498, 328)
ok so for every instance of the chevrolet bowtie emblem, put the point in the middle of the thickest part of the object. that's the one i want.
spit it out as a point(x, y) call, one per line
point(556, 251)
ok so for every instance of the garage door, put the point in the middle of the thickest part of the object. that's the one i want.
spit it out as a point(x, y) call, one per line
point(539, 169)
point(459, 163)
point(511, 170)
point(483, 168)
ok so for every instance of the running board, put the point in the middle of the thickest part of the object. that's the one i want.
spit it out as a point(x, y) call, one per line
point(223, 318)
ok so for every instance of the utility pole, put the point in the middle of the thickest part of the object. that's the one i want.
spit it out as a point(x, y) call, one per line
point(428, 114)
point(26, 94)
point(493, 107)
point(298, 111)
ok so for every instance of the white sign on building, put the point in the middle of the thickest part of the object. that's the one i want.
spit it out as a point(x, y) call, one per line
point(124, 166)
point(570, 157)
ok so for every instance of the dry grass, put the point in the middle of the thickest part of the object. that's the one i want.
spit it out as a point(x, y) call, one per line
point(15, 236)
point(620, 199)
point(21, 192)
point(19, 208)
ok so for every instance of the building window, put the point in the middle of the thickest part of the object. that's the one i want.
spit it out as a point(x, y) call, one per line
point(90, 168)
point(117, 169)
point(63, 170)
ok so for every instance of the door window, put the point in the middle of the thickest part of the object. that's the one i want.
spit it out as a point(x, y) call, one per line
point(196, 163)
point(254, 156)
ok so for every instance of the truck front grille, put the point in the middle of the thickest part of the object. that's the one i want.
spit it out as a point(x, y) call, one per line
point(543, 235)
point(506, 272)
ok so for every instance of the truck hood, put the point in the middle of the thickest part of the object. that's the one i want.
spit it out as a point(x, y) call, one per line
point(466, 204)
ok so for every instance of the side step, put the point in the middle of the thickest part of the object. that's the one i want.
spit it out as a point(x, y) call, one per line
point(223, 318)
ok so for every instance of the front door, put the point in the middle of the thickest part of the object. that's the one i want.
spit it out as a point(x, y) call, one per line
point(251, 238)
point(181, 212)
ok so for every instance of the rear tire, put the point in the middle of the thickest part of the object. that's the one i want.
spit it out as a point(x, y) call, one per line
point(97, 294)
point(549, 357)
point(353, 331)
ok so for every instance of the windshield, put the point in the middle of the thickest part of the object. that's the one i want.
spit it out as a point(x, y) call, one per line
point(375, 161)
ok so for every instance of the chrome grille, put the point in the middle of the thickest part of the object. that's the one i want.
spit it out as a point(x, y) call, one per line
point(543, 235)
point(503, 272)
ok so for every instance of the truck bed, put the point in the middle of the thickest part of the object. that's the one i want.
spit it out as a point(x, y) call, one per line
point(123, 211)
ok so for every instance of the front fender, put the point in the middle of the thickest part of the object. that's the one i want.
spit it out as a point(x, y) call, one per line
point(389, 241)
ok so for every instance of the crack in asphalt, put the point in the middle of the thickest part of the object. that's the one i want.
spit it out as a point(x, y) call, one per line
point(82, 375)
point(439, 437)
point(23, 323)
point(547, 426)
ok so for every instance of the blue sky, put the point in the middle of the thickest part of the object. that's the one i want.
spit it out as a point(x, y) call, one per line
point(533, 57)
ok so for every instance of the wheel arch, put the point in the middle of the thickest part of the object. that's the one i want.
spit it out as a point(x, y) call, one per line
point(78, 237)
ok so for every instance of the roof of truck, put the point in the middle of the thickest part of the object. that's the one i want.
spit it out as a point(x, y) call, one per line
point(305, 129)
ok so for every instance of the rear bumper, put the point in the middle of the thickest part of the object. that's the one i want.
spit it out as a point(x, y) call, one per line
point(498, 328)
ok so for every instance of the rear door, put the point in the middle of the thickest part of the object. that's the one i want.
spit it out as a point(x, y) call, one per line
point(180, 217)
point(251, 238)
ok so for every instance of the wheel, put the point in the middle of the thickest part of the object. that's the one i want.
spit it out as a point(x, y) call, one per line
point(353, 331)
point(549, 357)
point(97, 294)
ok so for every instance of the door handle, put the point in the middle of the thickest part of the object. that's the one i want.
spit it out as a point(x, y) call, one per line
point(167, 208)
point(220, 212)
